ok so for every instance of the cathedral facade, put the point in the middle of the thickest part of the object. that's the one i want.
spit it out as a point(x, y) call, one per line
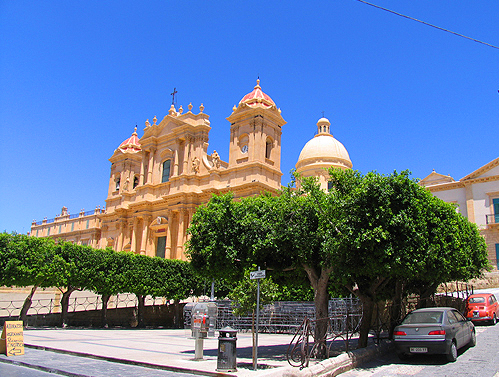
point(157, 181)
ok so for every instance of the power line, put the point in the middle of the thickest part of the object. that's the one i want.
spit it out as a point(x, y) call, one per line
point(428, 24)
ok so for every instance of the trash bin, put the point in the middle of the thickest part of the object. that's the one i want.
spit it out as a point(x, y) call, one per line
point(227, 351)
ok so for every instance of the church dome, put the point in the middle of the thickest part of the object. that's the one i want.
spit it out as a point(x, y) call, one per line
point(323, 151)
point(132, 144)
point(257, 96)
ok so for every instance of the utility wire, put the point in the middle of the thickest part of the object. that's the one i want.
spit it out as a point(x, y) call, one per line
point(428, 24)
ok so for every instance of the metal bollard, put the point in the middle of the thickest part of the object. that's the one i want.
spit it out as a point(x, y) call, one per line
point(227, 350)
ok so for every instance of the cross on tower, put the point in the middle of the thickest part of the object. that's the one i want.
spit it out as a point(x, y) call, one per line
point(173, 95)
point(323, 114)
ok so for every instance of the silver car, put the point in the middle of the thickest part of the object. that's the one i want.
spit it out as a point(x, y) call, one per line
point(433, 331)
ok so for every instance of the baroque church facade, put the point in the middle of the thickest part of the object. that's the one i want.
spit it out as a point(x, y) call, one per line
point(157, 181)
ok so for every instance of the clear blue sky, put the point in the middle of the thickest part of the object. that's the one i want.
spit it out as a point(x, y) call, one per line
point(77, 76)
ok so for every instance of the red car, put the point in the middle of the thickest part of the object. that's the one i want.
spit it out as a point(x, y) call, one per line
point(482, 307)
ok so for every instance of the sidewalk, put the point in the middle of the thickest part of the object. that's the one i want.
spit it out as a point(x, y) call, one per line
point(169, 349)
point(79, 352)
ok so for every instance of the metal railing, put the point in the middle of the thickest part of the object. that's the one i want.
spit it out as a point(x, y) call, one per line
point(281, 317)
point(53, 305)
point(492, 219)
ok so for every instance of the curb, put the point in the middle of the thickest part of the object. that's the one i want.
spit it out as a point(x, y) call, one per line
point(336, 365)
point(128, 362)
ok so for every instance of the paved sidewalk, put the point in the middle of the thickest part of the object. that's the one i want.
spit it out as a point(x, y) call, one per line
point(164, 353)
point(167, 349)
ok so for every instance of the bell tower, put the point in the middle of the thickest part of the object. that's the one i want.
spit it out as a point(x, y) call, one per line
point(255, 134)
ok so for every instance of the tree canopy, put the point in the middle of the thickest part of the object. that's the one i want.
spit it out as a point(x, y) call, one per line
point(365, 234)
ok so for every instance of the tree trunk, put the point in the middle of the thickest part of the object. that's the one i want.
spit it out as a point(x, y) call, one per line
point(367, 316)
point(396, 310)
point(105, 301)
point(27, 304)
point(319, 283)
point(140, 314)
point(176, 317)
point(65, 305)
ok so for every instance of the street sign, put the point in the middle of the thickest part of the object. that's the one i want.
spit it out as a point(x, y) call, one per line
point(260, 274)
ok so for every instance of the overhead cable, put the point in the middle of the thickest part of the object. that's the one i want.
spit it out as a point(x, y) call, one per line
point(428, 24)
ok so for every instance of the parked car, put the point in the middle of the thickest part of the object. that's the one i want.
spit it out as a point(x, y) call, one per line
point(433, 331)
point(482, 307)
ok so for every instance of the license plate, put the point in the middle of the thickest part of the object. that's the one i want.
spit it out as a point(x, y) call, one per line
point(418, 349)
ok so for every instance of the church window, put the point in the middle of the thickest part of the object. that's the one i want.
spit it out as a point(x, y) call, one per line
point(48, 231)
point(166, 171)
point(268, 148)
point(72, 226)
point(88, 223)
point(135, 181)
point(160, 247)
point(60, 228)
point(495, 202)
point(117, 184)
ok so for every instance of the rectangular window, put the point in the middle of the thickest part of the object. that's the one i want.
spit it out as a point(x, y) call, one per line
point(72, 226)
point(88, 223)
point(160, 247)
point(60, 228)
point(497, 255)
point(48, 231)
point(166, 171)
point(495, 202)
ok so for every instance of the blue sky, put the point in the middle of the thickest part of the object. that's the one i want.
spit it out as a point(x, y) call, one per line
point(77, 76)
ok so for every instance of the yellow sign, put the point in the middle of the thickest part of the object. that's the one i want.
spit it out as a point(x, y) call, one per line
point(12, 340)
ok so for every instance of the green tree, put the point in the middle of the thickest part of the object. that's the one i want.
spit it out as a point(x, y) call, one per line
point(28, 261)
point(366, 234)
point(380, 230)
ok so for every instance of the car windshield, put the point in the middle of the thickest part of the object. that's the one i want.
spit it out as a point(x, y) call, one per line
point(477, 300)
point(422, 317)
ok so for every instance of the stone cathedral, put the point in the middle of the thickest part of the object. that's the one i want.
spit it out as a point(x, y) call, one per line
point(158, 181)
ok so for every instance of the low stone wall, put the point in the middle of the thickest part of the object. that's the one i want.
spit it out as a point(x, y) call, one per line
point(169, 316)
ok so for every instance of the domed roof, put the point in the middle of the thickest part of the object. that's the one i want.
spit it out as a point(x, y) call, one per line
point(132, 144)
point(323, 151)
point(257, 96)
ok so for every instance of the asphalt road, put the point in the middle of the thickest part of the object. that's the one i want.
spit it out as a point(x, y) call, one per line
point(481, 360)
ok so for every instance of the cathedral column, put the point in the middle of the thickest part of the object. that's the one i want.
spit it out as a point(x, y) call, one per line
point(181, 233)
point(151, 165)
point(142, 170)
point(169, 234)
point(175, 164)
point(121, 236)
point(186, 156)
point(145, 232)
point(133, 246)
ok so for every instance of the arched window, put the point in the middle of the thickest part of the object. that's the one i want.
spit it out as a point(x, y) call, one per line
point(166, 171)
point(117, 184)
point(135, 181)
point(268, 148)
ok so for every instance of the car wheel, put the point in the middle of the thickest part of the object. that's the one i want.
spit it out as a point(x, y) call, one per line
point(452, 355)
point(472, 342)
point(494, 320)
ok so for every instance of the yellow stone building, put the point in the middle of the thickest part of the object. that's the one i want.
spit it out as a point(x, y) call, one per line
point(477, 198)
point(158, 181)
